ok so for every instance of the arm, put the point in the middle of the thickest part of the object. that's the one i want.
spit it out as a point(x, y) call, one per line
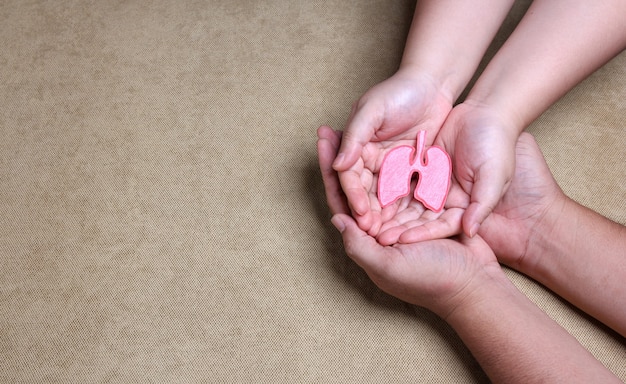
point(581, 256)
point(556, 45)
point(515, 342)
point(446, 42)
point(448, 39)
point(575, 252)
point(444, 47)
point(512, 339)
point(572, 250)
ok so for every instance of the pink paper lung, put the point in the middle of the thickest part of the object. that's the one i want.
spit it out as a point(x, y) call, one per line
point(434, 169)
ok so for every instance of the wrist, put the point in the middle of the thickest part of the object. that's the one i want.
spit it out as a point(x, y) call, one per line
point(482, 307)
point(549, 237)
point(448, 47)
point(511, 119)
point(449, 83)
point(504, 330)
point(478, 291)
point(437, 80)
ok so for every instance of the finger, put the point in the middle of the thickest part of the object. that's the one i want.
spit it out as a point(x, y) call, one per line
point(487, 190)
point(327, 146)
point(326, 132)
point(349, 195)
point(352, 182)
point(359, 131)
point(447, 225)
point(414, 215)
point(478, 244)
point(365, 222)
point(391, 236)
point(457, 197)
point(359, 246)
point(404, 218)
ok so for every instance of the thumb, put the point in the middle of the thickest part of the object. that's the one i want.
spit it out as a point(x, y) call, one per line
point(485, 196)
point(359, 131)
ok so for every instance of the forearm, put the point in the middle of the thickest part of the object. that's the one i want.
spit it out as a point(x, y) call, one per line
point(448, 38)
point(555, 46)
point(581, 256)
point(515, 342)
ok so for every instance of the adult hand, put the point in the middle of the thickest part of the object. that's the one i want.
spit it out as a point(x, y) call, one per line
point(433, 274)
point(412, 223)
point(461, 281)
point(389, 114)
point(406, 213)
point(519, 216)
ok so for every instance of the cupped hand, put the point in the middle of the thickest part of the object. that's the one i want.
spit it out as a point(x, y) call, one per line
point(388, 115)
point(436, 274)
point(482, 146)
point(412, 223)
point(519, 216)
point(405, 215)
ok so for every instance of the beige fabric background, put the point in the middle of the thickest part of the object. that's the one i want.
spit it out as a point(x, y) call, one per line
point(162, 216)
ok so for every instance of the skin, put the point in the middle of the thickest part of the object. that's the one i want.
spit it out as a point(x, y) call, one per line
point(529, 73)
point(539, 231)
point(503, 193)
point(556, 45)
point(574, 251)
point(461, 281)
point(443, 50)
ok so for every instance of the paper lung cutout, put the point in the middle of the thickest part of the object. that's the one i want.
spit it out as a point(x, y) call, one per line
point(434, 169)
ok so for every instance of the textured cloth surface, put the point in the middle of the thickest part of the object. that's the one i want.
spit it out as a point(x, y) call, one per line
point(162, 218)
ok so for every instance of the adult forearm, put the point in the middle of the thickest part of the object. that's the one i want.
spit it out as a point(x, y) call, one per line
point(581, 256)
point(448, 38)
point(515, 342)
point(555, 46)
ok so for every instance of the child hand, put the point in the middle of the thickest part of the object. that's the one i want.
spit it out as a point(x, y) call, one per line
point(388, 115)
point(482, 146)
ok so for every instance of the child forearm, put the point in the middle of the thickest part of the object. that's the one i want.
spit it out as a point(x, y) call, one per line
point(555, 46)
point(448, 38)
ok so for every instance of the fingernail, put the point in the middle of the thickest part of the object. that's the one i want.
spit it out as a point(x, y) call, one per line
point(474, 229)
point(338, 223)
point(339, 160)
